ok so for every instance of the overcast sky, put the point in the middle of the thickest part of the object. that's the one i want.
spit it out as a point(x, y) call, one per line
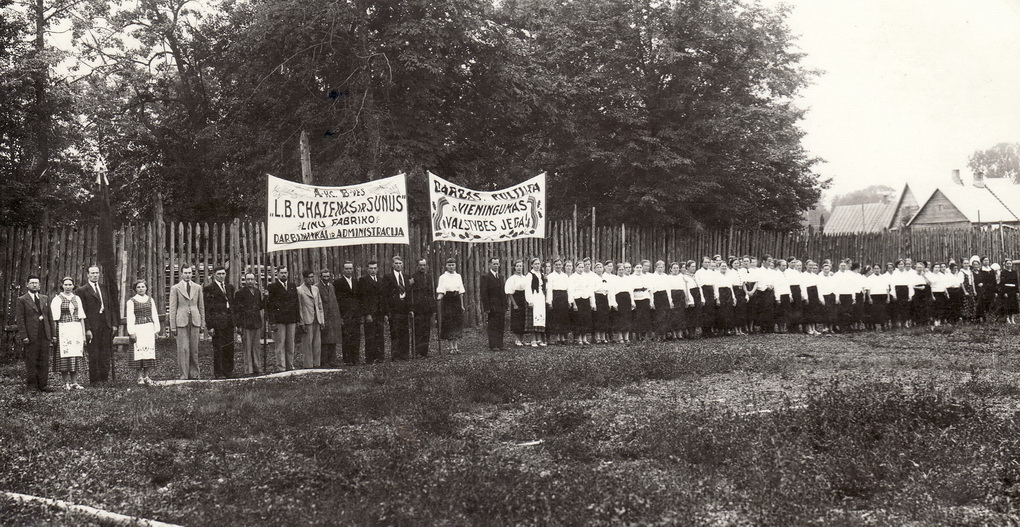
point(911, 87)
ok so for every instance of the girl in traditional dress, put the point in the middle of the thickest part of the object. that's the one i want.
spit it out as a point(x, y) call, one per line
point(920, 304)
point(450, 292)
point(534, 314)
point(902, 292)
point(954, 288)
point(814, 308)
point(707, 278)
point(69, 327)
point(784, 295)
point(793, 277)
point(624, 302)
point(726, 301)
point(694, 312)
point(142, 326)
point(515, 288)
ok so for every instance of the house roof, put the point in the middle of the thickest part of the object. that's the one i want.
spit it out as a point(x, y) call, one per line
point(1007, 192)
point(978, 205)
point(869, 217)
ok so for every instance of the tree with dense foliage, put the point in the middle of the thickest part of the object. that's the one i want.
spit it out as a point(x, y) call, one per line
point(999, 161)
point(673, 113)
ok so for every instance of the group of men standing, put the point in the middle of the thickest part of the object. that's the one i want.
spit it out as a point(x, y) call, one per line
point(326, 312)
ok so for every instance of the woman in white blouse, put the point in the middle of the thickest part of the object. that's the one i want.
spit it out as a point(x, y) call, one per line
point(450, 293)
point(624, 316)
point(902, 291)
point(557, 300)
point(726, 301)
point(677, 286)
point(814, 310)
point(784, 298)
point(693, 314)
point(643, 305)
point(605, 300)
point(659, 286)
point(876, 288)
point(706, 278)
point(515, 288)
point(581, 292)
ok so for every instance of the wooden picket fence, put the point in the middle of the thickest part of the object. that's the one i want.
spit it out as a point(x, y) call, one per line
point(155, 250)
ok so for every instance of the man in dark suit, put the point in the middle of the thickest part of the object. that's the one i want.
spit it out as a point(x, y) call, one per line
point(396, 297)
point(346, 288)
point(219, 321)
point(248, 308)
point(369, 296)
point(423, 304)
point(101, 318)
point(494, 305)
point(35, 333)
point(284, 313)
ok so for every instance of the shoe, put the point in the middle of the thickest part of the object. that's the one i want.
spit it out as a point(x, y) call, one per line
point(141, 380)
point(534, 344)
point(542, 344)
point(77, 386)
point(67, 387)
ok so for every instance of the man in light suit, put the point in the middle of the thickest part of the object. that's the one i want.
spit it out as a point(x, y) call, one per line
point(282, 307)
point(101, 320)
point(396, 298)
point(220, 322)
point(346, 288)
point(35, 333)
point(186, 320)
point(310, 306)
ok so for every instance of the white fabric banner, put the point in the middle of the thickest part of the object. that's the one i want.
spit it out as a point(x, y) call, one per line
point(301, 216)
point(463, 215)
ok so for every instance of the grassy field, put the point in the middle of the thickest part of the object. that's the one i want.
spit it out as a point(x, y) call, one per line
point(913, 427)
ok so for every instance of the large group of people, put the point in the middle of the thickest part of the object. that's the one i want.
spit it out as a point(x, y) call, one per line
point(562, 301)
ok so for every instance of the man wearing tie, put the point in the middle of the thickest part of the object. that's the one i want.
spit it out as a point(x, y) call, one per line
point(423, 305)
point(494, 305)
point(331, 319)
point(346, 287)
point(101, 317)
point(220, 322)
point(372, 310)
point(310, 304)
point(186, 320)
point(397, 305)
point(35, 333)
point(282, 306)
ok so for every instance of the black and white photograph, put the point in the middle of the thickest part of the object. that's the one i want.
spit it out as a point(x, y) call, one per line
point(509, 262)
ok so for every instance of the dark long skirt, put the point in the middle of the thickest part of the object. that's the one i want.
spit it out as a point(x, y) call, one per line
point(676, 315)
point(829, 311)
point(878, 311)
point(517, 315)
point(623, 317)
point(783, 306)
point(860, 309)
point(765, 308)
point(955, 303)
point(741, 312)
point(643, 316)
point(559, 318)
point(901, 305)
point(453, 317)
point(693, 314)
point(1008, 301)
point(941, 307)
point(985, 301)
point(708, 310)
point(582, 318)
point(600, 319)
point(725, 311)
point(920, 305)
point(796, 305)
point(845, 312)
point(814, 311)
point(662, 313)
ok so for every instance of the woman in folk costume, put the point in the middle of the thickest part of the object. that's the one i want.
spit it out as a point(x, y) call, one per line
point(142, 326)
point(659, 286)
point(558, 301)
point(678, 299)
point(69, 324)
point(450, 293)
point(624, 315)
point(605, 301)
point(534, 295)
